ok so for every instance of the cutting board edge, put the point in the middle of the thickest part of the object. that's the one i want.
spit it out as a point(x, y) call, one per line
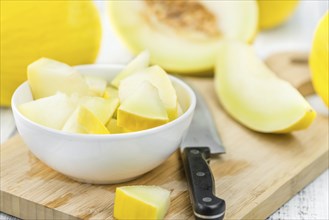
point(289, 189)
point(27, 209)
point(15, 205)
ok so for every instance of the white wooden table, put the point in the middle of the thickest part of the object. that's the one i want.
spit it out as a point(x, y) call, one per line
point(310, 203)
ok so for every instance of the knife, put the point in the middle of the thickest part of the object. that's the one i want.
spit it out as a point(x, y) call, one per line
point(200, 142)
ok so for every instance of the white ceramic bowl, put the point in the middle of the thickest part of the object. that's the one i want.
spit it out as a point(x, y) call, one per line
point(104, 159)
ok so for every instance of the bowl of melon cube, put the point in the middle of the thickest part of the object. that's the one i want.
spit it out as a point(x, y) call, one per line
point(102, 124)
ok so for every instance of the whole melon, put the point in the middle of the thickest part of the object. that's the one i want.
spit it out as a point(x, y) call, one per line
point(319, 59)
point(273, 13)
point(68, 31)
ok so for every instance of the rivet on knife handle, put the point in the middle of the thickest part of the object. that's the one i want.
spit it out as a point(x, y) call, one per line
point(201, 184)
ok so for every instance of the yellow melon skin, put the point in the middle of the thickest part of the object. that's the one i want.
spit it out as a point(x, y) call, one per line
point(68, 31)
point(319, 59)
point(275, 12)
point(141, 202)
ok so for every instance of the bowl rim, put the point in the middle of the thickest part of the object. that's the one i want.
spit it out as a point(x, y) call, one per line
point(119, 136)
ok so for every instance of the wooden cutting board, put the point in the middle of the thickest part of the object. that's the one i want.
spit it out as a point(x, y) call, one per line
point(258, 174)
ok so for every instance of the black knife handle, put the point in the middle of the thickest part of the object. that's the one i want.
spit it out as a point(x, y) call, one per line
point(201, 184)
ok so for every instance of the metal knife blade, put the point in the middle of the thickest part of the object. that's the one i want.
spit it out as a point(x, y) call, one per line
point(198, 144)
point(202, 130)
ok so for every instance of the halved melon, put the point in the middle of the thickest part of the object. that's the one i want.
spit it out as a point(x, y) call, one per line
point(183, 36)
point(253, 95)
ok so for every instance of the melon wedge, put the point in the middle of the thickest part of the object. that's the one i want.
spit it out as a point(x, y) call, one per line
point(183, 36)
point(97, 85)
point(158, 78)
point(111, 92)
point(90, 123)
point(141, 202)
point(253, 95)
point(138, 63)
point(103, 110)
point(113, 127)
point(142, 110)
point(47, 76)
point(101, 107)
point(72, 125)
point(52, 111)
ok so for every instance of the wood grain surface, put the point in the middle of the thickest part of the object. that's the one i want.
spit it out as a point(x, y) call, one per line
point(293, 67)
point(256, 176)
